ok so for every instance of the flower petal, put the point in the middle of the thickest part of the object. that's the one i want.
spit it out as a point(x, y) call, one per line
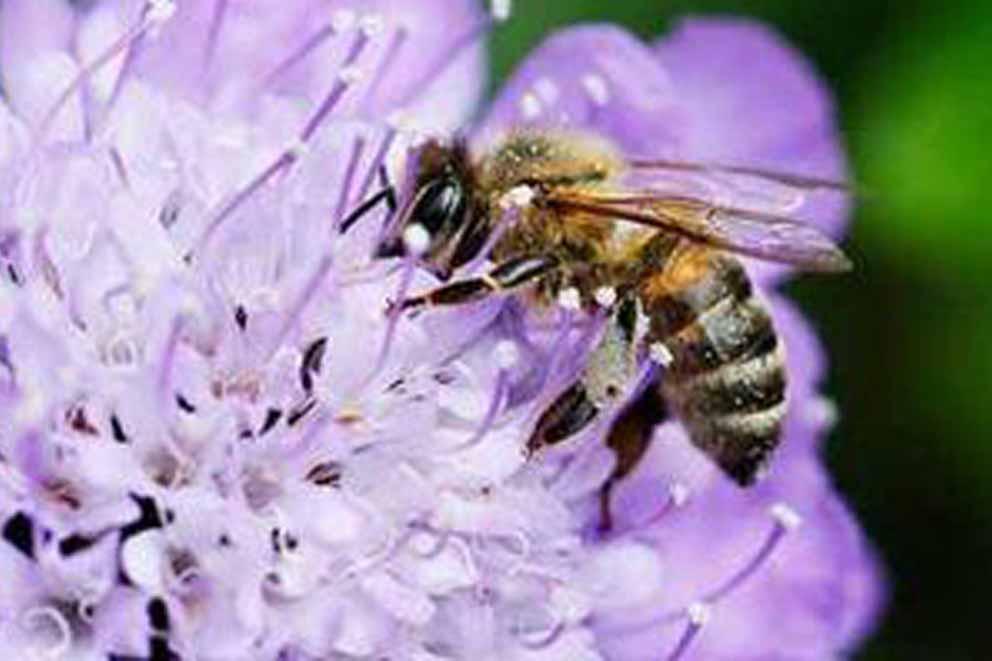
point(595, 77)
point(753, 100)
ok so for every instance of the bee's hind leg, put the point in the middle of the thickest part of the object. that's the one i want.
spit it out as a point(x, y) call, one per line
point(629, 438)
point(610, 369)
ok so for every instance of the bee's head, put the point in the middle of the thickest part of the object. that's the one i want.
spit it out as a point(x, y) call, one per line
point(439, 220)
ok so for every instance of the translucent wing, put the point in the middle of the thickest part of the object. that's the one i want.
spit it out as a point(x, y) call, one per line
point(769, 191)
point(746, 232)
point(797, 181)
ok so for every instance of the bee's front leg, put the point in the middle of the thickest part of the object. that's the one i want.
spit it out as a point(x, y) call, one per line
point(504, 278)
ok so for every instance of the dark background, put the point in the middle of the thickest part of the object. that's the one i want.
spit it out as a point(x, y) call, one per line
point(910, 333)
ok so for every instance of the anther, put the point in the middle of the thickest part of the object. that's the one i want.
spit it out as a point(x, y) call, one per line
point(530, 106)
point(517, 197)
point(785, 516)
point(343, 20)
point(661, 354)
point(786, 520)
point(507, 354)
point(699, 615)
point(501, 10)
point(160, 11)
point(372, 25)
point(570, 299)
point(678, 494)
point(596, 89)
point(605, 297)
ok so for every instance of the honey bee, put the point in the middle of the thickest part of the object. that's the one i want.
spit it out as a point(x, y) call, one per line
point(668, 260)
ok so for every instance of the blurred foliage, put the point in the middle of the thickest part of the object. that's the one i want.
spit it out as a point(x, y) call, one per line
point(908, 333)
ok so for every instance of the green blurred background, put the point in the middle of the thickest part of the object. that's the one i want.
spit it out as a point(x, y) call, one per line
point(909, 332)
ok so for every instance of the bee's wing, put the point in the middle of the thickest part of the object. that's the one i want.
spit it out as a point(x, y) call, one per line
point(746, 232)
point(797, 181)
point(755, 188)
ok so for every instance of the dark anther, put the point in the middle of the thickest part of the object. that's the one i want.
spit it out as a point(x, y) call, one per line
point(325, 474)
point(158, 614)
point(19, 532)
point(313, 360)
point(159, 650)
point(12, 273)
point(224, 540)
point(118, 430)
point(79, 422)
point(74, 544)
point(241, 317)
point(298, 414)
point(147, 519)
point(275, 539)
point(272, 416)
point(184, 403)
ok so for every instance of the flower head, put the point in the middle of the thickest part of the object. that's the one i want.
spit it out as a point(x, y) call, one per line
point(220, 441)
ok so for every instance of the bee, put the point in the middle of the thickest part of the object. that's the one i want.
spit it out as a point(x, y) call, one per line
point(589, 220)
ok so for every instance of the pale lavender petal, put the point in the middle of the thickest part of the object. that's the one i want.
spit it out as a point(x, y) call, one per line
point(597, 78)
point(753, 100)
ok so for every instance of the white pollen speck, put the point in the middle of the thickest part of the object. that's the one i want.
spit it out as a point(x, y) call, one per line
point(530, 106)
point(518, 196)
point(350, 75)
point(343, 20)
point(661, 354)
point(785, 516)
point(160, 11)
point(547, 89)
point(570, 299)
point(606, 297)
point(507, 354)
point(372, 24)
point(699, 613)
point(679, 493)
point(501, 10)
point(595, 86)
point(822, 411)
point(416, 239)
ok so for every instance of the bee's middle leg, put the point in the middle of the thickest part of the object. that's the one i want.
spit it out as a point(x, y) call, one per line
point(505, 277)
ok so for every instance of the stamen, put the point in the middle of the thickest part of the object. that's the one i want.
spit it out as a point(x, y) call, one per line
point(678, 496)
point(386, 62)
point(346, 78)
point(213, 32)
point(786, 520)
point(545, 641)
point(395, 312)
point(699, 615)
point(349, 176)
point(507, 355)
point(154, 14)
point(501, 11)
point(342, 21)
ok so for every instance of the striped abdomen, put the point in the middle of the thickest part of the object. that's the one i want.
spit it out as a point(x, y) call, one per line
point(726, 380)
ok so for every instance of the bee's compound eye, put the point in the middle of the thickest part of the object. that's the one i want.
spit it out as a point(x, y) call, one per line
point(440, 206)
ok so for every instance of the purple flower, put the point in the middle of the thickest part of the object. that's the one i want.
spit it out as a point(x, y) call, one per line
point(218, 444)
